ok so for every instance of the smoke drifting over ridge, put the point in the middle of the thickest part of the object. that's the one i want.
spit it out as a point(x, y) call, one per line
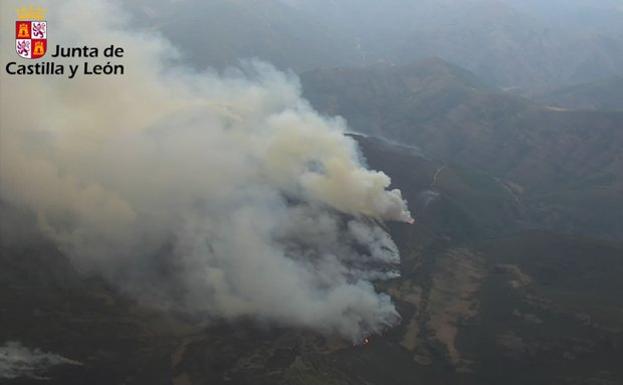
point(251, 202)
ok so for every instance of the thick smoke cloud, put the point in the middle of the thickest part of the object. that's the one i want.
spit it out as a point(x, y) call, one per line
point(223, 194)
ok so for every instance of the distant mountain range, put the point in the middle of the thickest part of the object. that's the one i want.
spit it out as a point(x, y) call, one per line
point(606, 94)
point(526, 46)
point(565, 166)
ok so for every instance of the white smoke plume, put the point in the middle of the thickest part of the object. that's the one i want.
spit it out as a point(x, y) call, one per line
point(18, 361)
point(225, 194)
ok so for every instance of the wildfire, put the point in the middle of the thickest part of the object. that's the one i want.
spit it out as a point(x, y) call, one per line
point(363, 342)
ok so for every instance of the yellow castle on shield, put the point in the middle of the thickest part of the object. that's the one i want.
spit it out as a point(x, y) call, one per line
point(38, 49)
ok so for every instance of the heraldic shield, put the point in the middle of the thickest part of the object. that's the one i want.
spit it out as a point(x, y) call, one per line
point(31, 38)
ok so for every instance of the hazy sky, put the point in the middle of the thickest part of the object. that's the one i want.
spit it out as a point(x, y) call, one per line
point(511, 43)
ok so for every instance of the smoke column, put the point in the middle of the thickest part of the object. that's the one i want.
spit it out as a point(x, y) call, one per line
point(222, 194)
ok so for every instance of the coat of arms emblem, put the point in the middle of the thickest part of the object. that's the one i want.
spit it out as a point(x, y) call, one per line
point(31, 32)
